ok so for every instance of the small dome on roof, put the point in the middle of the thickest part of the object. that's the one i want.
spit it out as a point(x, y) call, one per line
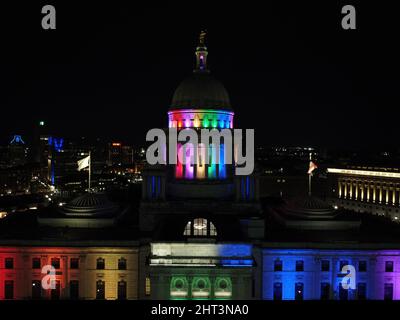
point(309, 207)
point(90, 204)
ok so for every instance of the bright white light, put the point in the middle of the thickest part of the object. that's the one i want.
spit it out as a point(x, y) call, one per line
point(365, 173)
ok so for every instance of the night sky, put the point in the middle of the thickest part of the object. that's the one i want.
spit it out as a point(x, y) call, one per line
point(292, 72)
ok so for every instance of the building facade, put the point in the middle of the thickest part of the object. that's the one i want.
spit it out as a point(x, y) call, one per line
point(108, 272)
point(316, 274)
point(366, 189)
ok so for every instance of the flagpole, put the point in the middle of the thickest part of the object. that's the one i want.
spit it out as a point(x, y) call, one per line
point(90, 170)
point(309, 180)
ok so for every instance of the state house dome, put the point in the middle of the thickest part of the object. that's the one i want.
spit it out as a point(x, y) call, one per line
point(201, 91)
point(90, 204)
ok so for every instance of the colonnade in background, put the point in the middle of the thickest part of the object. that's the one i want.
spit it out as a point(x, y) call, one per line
point(372, 191)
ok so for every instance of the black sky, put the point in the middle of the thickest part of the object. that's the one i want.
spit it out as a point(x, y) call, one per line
point(292, 72)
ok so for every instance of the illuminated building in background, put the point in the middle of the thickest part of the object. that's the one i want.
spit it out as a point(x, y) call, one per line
point(119, 154)
point(17, 152)
point(366, 189)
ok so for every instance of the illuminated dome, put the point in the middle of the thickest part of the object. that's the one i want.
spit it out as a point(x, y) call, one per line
point(90, 204)
point(201, 91)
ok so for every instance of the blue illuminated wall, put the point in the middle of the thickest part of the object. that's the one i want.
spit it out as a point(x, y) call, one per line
point(374, 278)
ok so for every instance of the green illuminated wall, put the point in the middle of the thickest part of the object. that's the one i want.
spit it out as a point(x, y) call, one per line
point(200, 287)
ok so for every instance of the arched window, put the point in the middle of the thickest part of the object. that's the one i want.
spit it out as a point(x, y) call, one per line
point(200, 227)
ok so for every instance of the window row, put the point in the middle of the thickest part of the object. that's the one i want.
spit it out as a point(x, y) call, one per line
point(55, 294)
point(326, 292)
point(73, 263)
point(325, 265)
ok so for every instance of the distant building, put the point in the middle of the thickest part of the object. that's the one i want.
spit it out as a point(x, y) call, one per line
point(366, 189)
point(119, 154)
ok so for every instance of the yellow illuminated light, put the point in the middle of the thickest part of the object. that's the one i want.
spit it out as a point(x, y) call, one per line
point(196, 122)
point(365, 173)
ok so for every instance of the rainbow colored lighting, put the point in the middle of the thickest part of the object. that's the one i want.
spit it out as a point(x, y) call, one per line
point(221, 166)
point(179, 165)
point(200, 118)
point(212, 166)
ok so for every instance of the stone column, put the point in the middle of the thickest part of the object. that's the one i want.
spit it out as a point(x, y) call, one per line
point(83, 276)
point(362, 186)
point(372, 276)
point(65, 279)
point(334, 289)
point(351, 190)
point(356, 190)
point(374, 193)
point(387, 194)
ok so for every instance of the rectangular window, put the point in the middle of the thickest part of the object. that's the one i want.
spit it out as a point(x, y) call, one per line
point(122, 290)
point(362, 266)
point(343, 293)
point(299, 265)
point(325, 265)
point(100, 265)
point(36, 289)
point(8, 289)
point(278, 291)
point(100, 290)
point(74, 263)
point(122, 264)
point(9, 263)
point(389, 266)
point(343, 263)
point(299, 291)
point(362, 291)
point(36, 264)
point(55, 262)
point(388, 291)
point(74, 289)
point(55, 293)
point(278, 265)
point(325, 291)
point(148, 286)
